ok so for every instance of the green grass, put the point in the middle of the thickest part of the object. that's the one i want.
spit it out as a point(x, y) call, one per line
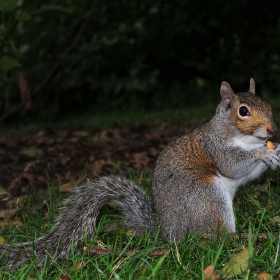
point(256, 206)
point(191, 116)
point(184, 117)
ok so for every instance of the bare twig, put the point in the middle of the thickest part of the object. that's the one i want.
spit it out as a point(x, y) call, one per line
point(57, 63)
point(178, 257)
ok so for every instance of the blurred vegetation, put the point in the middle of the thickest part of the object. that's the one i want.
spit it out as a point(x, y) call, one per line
point(133, 54)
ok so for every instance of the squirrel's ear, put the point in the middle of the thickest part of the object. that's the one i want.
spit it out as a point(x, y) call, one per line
point(227, 94)
point(252, 86)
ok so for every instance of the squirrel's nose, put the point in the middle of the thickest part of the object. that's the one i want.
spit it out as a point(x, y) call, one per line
point(271, 128)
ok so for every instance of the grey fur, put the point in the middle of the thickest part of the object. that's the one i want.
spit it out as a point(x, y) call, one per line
point(79, 219)
point(196, 177)
point(185, 200)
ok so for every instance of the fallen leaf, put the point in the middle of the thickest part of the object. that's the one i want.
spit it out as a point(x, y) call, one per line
point(276, 219)
point(61, 157)
point(210, 273)
point(80, 133)
point(65, 277)
point(100, 244)
point(31, 152)
point(4, 194)
point(112, 204)
point(111, 227)
point(264, 276)
point(277, 276)
point(156, 253)
point(153, 152)
point(95, 251)
point(237, 264)
point(129, 252)
point(15, 223)
point(64, 160)
point(91, 158)
point(2, 240)
point(33, 176)
point(6, 214)
point(79, 265)
point(129, 233)
point(263, 187)
point(141, 158)
point(16, 202)
point(252, 236)
point(74, 140)
point(68, 187)
point(97, 167)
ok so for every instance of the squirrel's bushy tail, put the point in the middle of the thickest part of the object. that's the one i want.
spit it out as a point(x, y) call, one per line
point(78, 220)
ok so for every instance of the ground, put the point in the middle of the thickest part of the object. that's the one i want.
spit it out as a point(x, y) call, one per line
point(30, 161)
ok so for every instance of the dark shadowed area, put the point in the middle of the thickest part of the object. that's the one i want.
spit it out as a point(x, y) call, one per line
point(64, 58)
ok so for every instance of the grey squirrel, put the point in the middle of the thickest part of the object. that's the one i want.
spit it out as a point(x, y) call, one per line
point(195, 179)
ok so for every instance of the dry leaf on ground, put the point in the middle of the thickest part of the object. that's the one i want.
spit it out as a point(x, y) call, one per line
point(141, 158)
point(276, 219)
point(276, 276)
point(210, 273)
point(7, 214)
point(264, 276)
point(237, 264)
point(65, 277)
point(2, 240)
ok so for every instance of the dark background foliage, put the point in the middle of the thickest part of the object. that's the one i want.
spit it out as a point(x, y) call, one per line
point(138, 54)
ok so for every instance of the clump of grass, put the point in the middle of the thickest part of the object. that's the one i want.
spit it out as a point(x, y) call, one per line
point(186, 259)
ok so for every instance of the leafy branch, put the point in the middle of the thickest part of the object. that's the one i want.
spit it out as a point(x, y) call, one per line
point(59, 60)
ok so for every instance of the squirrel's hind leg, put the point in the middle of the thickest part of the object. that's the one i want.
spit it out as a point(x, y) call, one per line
point(209, 212)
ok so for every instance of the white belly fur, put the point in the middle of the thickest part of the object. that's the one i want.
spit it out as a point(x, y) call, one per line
point(229, 186)
point(247, 142)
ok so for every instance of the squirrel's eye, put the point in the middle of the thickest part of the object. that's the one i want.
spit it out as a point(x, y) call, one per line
point(244, 111)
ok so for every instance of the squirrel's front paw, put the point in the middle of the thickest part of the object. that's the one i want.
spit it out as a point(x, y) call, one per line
point(276, 147)
point(269, 156)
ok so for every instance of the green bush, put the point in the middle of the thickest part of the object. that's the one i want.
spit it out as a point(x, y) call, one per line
point(136, 54)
